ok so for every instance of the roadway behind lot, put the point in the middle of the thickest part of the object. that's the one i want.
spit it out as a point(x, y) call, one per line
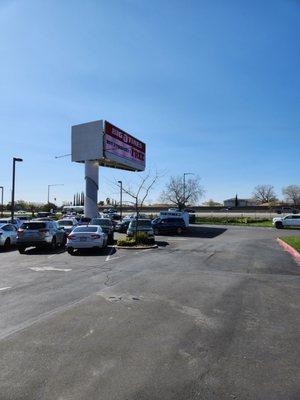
point(212, 314)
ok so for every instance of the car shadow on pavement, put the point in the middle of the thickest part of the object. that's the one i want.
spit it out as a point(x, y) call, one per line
point(108, 251)
point(203, 232)
point(40, 251)
point(3, 250)
point(200, 232)
point(161, 243)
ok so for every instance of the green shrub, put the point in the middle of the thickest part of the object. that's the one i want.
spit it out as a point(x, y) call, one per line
point(141, 237)
point(126, 242)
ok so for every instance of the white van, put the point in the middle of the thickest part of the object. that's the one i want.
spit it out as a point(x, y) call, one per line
point(175, 214)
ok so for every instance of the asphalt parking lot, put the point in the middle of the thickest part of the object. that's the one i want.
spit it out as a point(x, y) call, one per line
point(213, 314)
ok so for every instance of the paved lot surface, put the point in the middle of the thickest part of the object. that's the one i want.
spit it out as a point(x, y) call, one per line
point(210, 315)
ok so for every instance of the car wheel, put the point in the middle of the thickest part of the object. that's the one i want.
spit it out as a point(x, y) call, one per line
point(7, 244)
point(279, 225)
point(70, 251)
point(156, 232)
point(179, 231)
point(21, 249)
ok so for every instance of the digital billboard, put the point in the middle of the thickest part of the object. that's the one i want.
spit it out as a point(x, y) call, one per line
point(123, 148)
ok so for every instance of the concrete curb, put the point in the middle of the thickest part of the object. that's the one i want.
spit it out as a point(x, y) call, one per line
point(155, 246)
point(289, 249)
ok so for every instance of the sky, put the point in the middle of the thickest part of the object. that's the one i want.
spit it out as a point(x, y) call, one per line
point(211, 86)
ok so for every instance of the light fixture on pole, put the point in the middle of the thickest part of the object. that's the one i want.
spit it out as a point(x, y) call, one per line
point(185, 173)
point(121, 193)
point(15, 159)
point(49, 186)
point(2, 190)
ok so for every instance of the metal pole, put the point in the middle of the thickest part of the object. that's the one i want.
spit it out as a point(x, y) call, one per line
point(48, 194)
point(13, 192)
point(2, 188)
point(121, 199)
point(184, 188)
point(91, 189)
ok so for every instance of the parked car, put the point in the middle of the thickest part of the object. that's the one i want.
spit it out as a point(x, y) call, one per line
point(68, 224)
point(122, 226)
point(16, 221)
point(107, 227)
point(86, 237)
point(289, 220)
point(141, 225)
point(8, 235)
point(43, 214)
point(84, 220)
point(40, 234)
point(168, 225)
point(284, 210)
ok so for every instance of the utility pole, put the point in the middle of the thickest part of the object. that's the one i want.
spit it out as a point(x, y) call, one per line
point(121, 200)
point(15, 159)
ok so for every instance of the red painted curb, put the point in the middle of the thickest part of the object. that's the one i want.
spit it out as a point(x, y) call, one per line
point(289, 249)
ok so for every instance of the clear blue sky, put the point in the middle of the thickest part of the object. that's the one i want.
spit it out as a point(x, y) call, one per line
point(212, 87)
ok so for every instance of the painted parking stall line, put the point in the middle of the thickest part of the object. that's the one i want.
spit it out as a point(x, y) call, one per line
point(5, 288)
point(45, 269)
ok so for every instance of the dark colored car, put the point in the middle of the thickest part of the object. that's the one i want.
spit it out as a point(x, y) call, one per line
point(168, 225)
point(122, 226)
point(83, 220)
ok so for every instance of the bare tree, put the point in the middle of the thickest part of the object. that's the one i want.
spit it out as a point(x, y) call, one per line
point(292, 194)
point(182, 193)
point(140, 193)
point(264, 194)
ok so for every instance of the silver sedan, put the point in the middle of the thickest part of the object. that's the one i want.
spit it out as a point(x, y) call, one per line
point(8, 235)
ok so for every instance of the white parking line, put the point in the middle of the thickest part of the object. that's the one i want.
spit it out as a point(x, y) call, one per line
point(110, 254)
point(42, 269)
point(5, 288)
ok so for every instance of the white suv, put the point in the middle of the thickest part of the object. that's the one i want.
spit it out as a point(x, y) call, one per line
point(289, 220)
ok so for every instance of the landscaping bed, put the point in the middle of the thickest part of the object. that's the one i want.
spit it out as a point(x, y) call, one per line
point(244, 221)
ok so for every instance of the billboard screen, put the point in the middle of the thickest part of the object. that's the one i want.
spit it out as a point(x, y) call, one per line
point(122, 148)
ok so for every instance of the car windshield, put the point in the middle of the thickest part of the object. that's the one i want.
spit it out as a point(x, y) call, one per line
point(86, 229)
point(33, 225)
point(65, 222)
point(101, 221)
point(142, 222)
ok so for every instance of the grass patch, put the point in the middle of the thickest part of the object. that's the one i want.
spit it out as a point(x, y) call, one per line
point(244, 221)
point(293, 241)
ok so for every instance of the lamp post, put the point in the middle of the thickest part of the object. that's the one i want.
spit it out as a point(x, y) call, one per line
point(15, 159)
point(2, 190)
point(49, 186)
point(185, 173)
point(121, 193)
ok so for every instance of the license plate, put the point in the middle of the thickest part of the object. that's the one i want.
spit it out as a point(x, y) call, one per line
point(83, 239)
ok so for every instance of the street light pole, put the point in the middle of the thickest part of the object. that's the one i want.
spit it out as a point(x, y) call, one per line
point(185, 173)
point(15, 159)
point(49, 186)
point(121, 201)
point(2, 188)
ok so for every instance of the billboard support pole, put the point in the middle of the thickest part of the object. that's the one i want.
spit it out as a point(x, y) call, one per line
point(91, 189)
